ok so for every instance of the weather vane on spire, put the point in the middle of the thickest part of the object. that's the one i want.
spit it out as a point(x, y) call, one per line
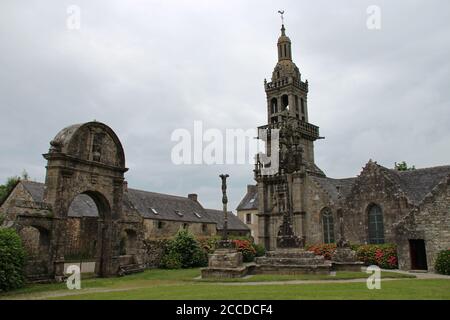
point(281, 12)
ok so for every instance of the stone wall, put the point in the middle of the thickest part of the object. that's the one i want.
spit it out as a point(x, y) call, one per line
point(316, 200)
point(373, 187)
point(154, 250)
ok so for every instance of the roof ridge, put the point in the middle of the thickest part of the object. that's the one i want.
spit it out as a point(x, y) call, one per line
point(160, 194)
point(31, 181)
point(419, 169)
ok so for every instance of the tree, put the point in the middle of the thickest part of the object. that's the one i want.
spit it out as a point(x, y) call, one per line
point(12, 260)
point(403, 166)
point(11, 182)
point(7, 187)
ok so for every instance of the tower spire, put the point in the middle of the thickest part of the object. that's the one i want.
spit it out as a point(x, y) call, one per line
point(284, 43)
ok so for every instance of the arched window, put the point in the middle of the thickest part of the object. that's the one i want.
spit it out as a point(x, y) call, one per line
point(284, 101)
point(328, 225)
point(376, 227)
point(274, 105)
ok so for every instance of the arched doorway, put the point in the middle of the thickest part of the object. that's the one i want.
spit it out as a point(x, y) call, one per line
point(86, 166)
point(36, 241)
point(85, 224)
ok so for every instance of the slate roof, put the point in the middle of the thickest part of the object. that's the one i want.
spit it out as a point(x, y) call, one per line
point(419, 182)
point(416, 184)
point(330, 185)
point(35, 189)
point(165, 205)
point(234, 223)
point(250, 200)
point(83, 206)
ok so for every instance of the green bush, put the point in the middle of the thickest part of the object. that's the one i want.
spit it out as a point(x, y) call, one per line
point(184, 251)
point(259, 250)
point(442, 264)
point(171, 260)
point(208, 245)
point(12, 260)
point(382, 255)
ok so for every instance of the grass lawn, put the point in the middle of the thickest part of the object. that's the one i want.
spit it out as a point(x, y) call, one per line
point(181, 284)
point(339, 276)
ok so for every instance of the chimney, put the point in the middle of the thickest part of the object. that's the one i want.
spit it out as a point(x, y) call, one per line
point(192, 196)
point(125, 186)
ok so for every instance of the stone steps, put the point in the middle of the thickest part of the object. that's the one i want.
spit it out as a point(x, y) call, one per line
point(293, 254)
point(290, 261)
point(39, 278)
point(131, 268)
point(293, 269)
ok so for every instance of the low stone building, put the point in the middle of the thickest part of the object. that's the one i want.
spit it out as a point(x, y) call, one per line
point(247, 211)
point(235, 227)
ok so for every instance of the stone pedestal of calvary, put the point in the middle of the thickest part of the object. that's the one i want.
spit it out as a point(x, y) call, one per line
point(226, 261)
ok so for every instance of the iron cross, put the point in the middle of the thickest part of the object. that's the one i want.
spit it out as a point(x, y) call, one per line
point(281, 12)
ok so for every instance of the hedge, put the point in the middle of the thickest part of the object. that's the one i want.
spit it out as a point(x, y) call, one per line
point(12, 260)
point(442, 264)
point(382, 255)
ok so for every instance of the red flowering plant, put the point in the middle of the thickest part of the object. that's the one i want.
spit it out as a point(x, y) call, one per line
point(382, 255)
point(246, 248)
point(327, 250)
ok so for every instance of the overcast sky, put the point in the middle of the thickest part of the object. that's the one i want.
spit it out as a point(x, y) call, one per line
point(146, 68)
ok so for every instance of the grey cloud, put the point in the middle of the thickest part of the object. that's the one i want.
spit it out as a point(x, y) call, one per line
point(148, 68)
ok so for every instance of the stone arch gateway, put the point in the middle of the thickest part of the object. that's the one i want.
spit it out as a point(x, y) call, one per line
point(86, 159)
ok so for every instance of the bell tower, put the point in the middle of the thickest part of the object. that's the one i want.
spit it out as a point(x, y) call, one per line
point(282, 205)
point(287, 95)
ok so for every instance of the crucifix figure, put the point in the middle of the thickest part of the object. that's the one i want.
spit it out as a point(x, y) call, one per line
point(281, 12)
point(224, 202)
